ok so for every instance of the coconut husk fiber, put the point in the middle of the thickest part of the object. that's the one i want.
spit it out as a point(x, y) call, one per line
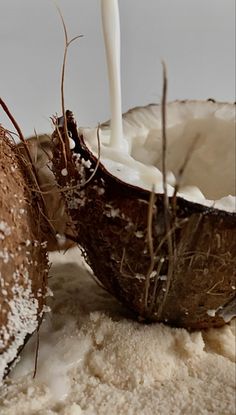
point(41, 155)
point(23, 257)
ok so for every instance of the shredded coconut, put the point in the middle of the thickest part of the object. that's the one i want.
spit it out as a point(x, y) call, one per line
point(139, 234)
point(21, 319)
point(96, 360)
point(163, 277)
point(64, 172)
point(5, 230)
point(211, 313)
point(4, 255)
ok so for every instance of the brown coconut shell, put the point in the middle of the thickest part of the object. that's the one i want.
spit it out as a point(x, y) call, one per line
point(23, 257)
point(192, 288)
point(41, 155)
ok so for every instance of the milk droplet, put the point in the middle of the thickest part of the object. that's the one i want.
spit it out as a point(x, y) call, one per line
point(64, 172)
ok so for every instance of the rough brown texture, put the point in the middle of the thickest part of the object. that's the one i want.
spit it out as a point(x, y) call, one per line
point(110, 219)
point(23, 258)
point(41, 154)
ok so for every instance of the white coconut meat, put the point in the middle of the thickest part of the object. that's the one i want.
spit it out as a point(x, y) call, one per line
point(209, 177)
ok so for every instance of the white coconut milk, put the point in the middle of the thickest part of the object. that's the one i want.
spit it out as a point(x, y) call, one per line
point(133, 158)
point(111, 32)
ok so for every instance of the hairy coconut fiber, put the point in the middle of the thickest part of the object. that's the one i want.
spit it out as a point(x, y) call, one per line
point(23, 258)
point(184, 277)
point(41, 154)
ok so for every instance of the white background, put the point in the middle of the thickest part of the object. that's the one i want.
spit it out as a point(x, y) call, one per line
point(194, 37)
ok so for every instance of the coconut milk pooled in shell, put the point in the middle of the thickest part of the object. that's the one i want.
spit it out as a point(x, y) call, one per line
point(209, 175)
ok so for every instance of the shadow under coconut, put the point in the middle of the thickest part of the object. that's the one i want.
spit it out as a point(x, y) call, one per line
point(77, 292)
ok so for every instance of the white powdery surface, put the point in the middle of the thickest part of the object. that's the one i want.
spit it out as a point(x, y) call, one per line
point(94, 360)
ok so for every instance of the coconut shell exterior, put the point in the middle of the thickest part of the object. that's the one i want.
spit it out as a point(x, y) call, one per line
point(23, 257)
point(41, 154)
point(110, 221)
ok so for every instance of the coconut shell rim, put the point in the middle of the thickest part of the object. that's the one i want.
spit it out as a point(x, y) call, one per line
point(189, 205)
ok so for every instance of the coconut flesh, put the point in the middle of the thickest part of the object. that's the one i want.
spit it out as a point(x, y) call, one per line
point(209, 176)
point(184, 277)
point(23, 257)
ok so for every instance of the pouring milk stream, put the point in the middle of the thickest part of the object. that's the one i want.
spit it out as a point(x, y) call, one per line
point(111, 32)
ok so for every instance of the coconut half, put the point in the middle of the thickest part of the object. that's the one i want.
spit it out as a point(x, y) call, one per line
point(23, 256)
point(173, 263)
